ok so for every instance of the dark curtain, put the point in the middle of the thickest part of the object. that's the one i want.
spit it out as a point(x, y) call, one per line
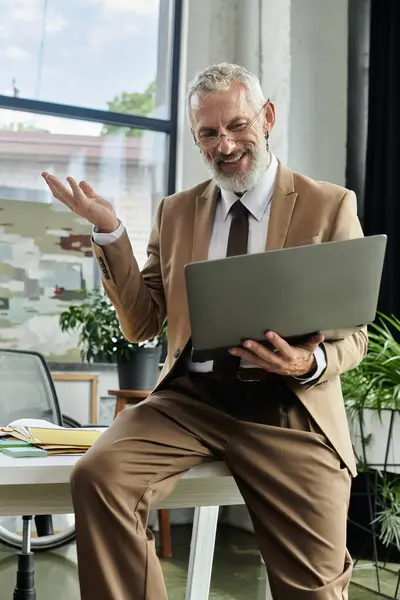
point(382, 198)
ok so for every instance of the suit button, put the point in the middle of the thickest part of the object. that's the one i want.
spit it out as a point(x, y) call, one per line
point(177, 353)
point(106, 276)
point(101, 260)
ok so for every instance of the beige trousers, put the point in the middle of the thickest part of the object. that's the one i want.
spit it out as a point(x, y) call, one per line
point(293, 482)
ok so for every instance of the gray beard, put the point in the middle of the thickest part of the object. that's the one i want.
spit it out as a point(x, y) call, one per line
point(261, 163)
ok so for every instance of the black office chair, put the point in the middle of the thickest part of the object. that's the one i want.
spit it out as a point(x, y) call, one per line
point(27, 391)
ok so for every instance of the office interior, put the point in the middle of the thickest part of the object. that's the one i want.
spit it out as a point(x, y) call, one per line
point(96, 89)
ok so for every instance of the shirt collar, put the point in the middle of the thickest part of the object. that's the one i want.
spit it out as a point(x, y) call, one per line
point(258, 198)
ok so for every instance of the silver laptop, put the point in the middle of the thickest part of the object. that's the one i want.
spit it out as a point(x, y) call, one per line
point(331, 288)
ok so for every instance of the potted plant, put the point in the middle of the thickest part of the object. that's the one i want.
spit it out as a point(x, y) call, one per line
point(101, 340)
point(372, 398)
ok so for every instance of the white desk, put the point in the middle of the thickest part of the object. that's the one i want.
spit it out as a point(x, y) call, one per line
point(40, 486)
point(35, 486)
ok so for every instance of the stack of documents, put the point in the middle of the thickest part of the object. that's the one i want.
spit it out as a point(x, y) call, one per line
point(53, 439)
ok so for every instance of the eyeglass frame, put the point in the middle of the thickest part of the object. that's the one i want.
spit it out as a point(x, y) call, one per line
point(224, 135)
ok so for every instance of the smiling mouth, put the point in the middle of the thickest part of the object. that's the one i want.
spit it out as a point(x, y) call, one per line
point(232, 161)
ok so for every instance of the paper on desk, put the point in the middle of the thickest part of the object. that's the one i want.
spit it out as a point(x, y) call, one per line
point(54, 439)
point(65, 438)
point(48, 425)
point(34, 423)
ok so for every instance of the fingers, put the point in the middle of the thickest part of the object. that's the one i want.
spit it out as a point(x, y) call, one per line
point(55, 184)
point(284, 358)
point(75, 198)
point(256, 360)
point(76, 190)
point(253, 351)
point(58, 189)
point(287, 350)
point(282, 353)
point(87, 189)
point(284, 349)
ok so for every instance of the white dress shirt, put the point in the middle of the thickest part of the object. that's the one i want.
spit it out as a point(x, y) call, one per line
point(258, 203)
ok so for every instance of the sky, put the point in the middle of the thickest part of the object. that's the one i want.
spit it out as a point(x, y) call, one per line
point(91, 51)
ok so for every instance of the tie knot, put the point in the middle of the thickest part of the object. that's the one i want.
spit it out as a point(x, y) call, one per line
point(238, 208)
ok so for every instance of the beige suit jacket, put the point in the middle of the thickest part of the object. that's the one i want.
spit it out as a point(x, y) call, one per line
point(303, 211)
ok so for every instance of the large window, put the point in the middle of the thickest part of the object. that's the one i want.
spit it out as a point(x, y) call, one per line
point(107, 54)
point(88, 88)
point(112, 65)
point(126, 166)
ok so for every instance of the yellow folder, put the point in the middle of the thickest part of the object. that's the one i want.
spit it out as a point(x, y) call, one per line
point(56, 440)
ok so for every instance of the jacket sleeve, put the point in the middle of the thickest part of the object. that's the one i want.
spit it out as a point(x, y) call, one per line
point(345, 354)
point(138, 296)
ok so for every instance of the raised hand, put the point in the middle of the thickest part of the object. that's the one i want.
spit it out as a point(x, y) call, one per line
point(83, 201)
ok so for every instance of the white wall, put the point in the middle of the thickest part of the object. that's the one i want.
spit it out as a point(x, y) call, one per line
point(276, 68)
point(318, 110)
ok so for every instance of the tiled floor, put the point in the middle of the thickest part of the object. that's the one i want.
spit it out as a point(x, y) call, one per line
point(238, 573)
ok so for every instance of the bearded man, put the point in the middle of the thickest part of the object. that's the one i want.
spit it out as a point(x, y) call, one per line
point(276, 418)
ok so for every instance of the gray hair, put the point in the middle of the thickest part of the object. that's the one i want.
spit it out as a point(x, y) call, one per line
point(219, 78)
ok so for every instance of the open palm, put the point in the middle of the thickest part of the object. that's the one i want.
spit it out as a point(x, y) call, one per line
point(83, 201)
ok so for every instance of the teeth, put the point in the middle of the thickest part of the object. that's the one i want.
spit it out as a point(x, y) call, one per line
point(233, 160)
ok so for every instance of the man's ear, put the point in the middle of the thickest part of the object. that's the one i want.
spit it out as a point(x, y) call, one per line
point(269, 119)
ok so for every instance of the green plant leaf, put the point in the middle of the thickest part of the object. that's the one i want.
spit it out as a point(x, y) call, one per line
point(100, 336)
point(375, 383)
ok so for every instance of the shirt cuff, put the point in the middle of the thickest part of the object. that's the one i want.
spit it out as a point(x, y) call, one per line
point(102, 239)
point(321, 366)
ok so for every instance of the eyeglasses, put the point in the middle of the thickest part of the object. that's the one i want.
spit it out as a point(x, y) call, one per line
point(237, 133)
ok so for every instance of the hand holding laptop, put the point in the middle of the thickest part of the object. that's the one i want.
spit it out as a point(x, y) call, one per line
point(283, 359)
point(331, 288)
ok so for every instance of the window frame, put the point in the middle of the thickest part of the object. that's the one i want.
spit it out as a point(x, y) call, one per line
point(167, 126)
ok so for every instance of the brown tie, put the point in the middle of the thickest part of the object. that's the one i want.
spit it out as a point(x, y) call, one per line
point(237, 244)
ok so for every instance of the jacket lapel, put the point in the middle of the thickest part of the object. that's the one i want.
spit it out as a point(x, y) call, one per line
point(282, 206)
point(203, 221)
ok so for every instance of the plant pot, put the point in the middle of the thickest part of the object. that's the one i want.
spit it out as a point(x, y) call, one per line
point(104, 359)
point(381, 435)
point(141, 372)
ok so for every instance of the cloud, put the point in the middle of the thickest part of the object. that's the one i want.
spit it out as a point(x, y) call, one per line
point(116, 19)
point(14, 53)
point(101, 35)
point(55, 22)
point(140, 7)
point(22, 19)
point(26, 11)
